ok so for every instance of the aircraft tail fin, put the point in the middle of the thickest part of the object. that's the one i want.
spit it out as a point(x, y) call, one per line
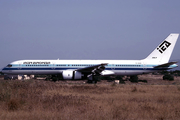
point(163, 52)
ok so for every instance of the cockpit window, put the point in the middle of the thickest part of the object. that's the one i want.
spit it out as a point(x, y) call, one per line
point(9, 65)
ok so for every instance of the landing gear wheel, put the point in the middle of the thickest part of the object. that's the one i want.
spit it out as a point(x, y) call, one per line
point(91, 79)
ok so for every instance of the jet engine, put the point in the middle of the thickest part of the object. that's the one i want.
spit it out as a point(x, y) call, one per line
point(71, 75)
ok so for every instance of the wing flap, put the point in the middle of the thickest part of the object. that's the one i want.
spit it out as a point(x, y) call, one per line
point(166, 65)
point(95, 69)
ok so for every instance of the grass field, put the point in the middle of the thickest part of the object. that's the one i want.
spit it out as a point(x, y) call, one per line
point(38, 99)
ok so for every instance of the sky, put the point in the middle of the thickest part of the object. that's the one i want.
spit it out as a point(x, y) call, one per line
point(85, 29)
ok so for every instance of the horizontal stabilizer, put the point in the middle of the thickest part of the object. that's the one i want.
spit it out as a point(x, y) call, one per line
point(166, 65)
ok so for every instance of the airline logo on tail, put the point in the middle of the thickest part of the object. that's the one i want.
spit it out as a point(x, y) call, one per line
point(163, 46)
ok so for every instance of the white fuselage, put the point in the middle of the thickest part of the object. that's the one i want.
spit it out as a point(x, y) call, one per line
point(113, 67)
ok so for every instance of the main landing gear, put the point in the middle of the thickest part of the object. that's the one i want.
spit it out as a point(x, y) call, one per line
point(91, 79)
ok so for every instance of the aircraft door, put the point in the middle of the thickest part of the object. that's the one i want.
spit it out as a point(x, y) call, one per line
point(19, 65)
point(53, 65)
point(144, 66)
point(112, 66)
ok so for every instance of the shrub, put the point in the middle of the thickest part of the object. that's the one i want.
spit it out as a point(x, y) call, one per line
point(134, 89)
point(163, 72)
point(134, 78)
point(145, 81)
point(118, 77)
point(168, 77)
point(1, 73)
point(104, 77)
point(13, 104)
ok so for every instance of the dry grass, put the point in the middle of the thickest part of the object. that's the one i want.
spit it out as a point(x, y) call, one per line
point(35, 99)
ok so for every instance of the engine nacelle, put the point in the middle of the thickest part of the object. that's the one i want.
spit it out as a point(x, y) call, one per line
point(107, 72)
point(71, 75)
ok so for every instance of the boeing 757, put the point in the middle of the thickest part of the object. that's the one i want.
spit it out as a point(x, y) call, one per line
point(158, 60)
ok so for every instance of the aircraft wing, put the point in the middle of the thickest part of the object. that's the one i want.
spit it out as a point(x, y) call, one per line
point(166, 65)
point(96, 69)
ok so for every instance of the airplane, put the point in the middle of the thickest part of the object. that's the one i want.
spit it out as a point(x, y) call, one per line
point(158, 60)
